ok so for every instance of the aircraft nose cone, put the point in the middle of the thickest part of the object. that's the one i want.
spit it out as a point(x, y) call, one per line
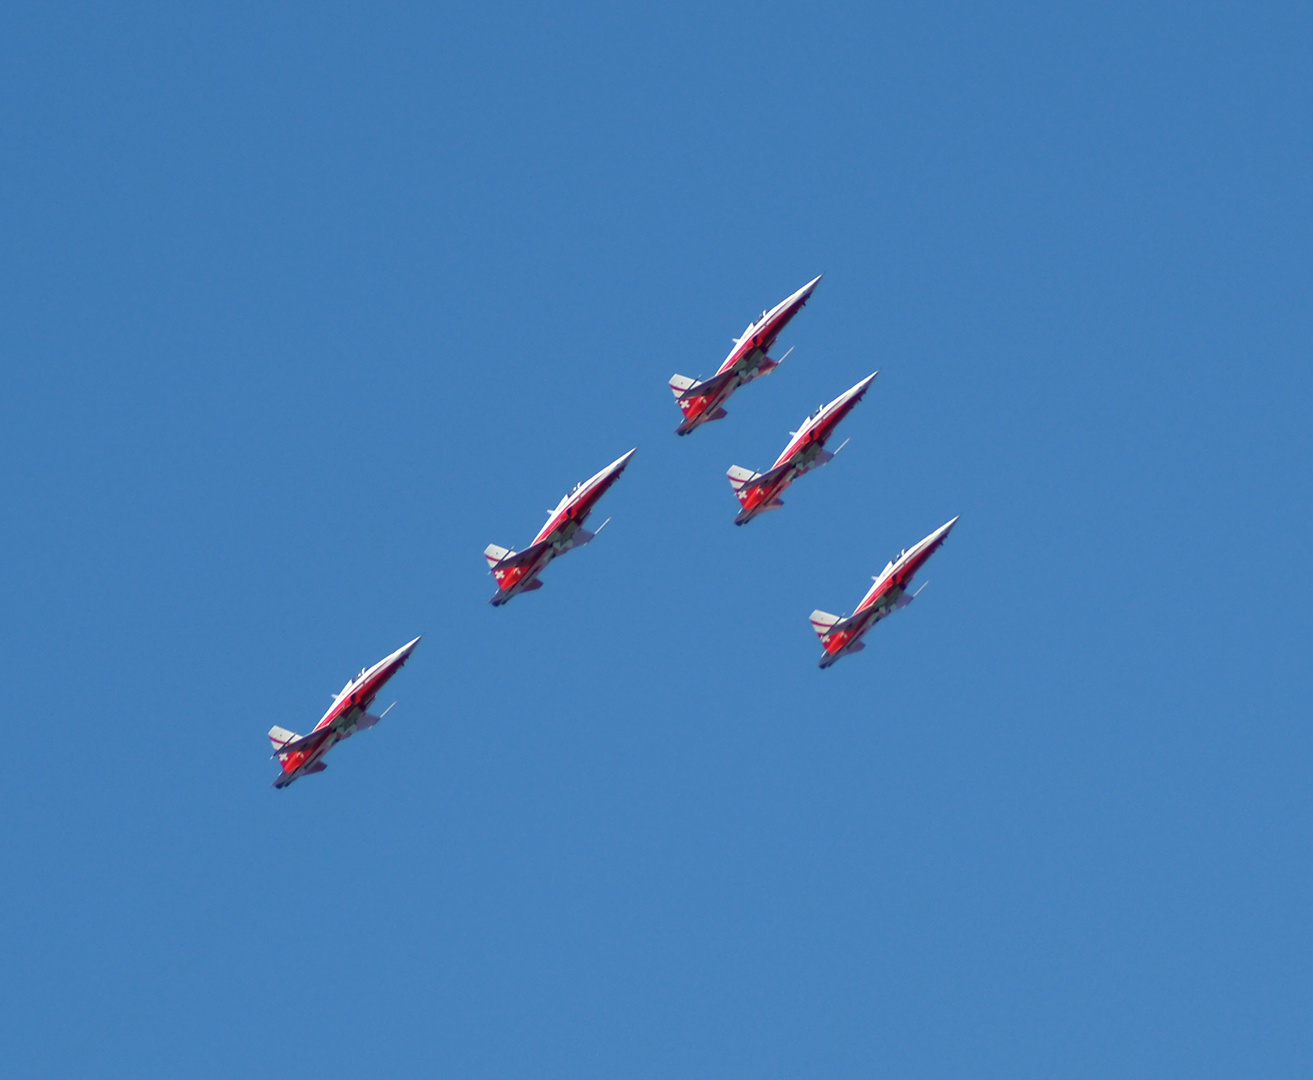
point(856, 391)
point(804, 294)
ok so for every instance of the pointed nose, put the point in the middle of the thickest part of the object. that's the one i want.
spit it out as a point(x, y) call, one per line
point(940, 533)
point(860, 388)
point(803, 294)
point(408, 648)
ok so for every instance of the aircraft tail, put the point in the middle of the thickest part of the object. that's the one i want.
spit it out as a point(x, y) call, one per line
point(739, 478)
point(680, 383)
point(822, 622)
point(495, 554)
point(280, 737)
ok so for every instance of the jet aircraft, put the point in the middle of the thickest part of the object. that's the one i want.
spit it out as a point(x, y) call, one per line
point(301, 755)
point(747, 360)
point(759, 492)
point(517, 571)
point(842, 635)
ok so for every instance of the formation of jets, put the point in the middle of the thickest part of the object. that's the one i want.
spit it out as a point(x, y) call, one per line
point(700, 401)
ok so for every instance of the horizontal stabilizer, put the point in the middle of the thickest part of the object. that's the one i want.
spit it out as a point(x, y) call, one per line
point(857, 646)
point(316, 766)
point(822, 621)
point(719, 414)
point(680, 383)
point(495, 554)
point(536, 583)
point(280, 737)
point(739, 476)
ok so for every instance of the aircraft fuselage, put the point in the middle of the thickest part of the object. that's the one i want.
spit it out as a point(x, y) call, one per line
point(348, 714)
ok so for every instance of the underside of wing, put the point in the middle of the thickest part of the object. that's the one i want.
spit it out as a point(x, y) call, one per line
point(846, 629)
point(512, 571)
point(707, 387)
point(308, 744)
point(840, 627)
point(769, 478)
point(520, 558)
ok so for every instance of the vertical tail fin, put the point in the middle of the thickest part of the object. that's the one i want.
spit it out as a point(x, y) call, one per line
point(680, 383)
point(739, 476)
point(822, 622)
point(280, 737)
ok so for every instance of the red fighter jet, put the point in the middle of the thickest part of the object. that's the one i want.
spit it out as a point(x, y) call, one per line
point(517, 571)
point(841, 636)
point(759, 492)
point(703, 401)
point(303, 754)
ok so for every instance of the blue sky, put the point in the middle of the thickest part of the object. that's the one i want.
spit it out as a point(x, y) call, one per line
point(303, 305)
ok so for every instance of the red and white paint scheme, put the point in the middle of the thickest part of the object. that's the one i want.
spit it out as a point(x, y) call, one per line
point(300, 755)
point(759, 492)
point(704, 401)
point(842, 635)
point(517, 571)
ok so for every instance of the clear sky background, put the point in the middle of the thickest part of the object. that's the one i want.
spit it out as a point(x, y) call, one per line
point(303, 305)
